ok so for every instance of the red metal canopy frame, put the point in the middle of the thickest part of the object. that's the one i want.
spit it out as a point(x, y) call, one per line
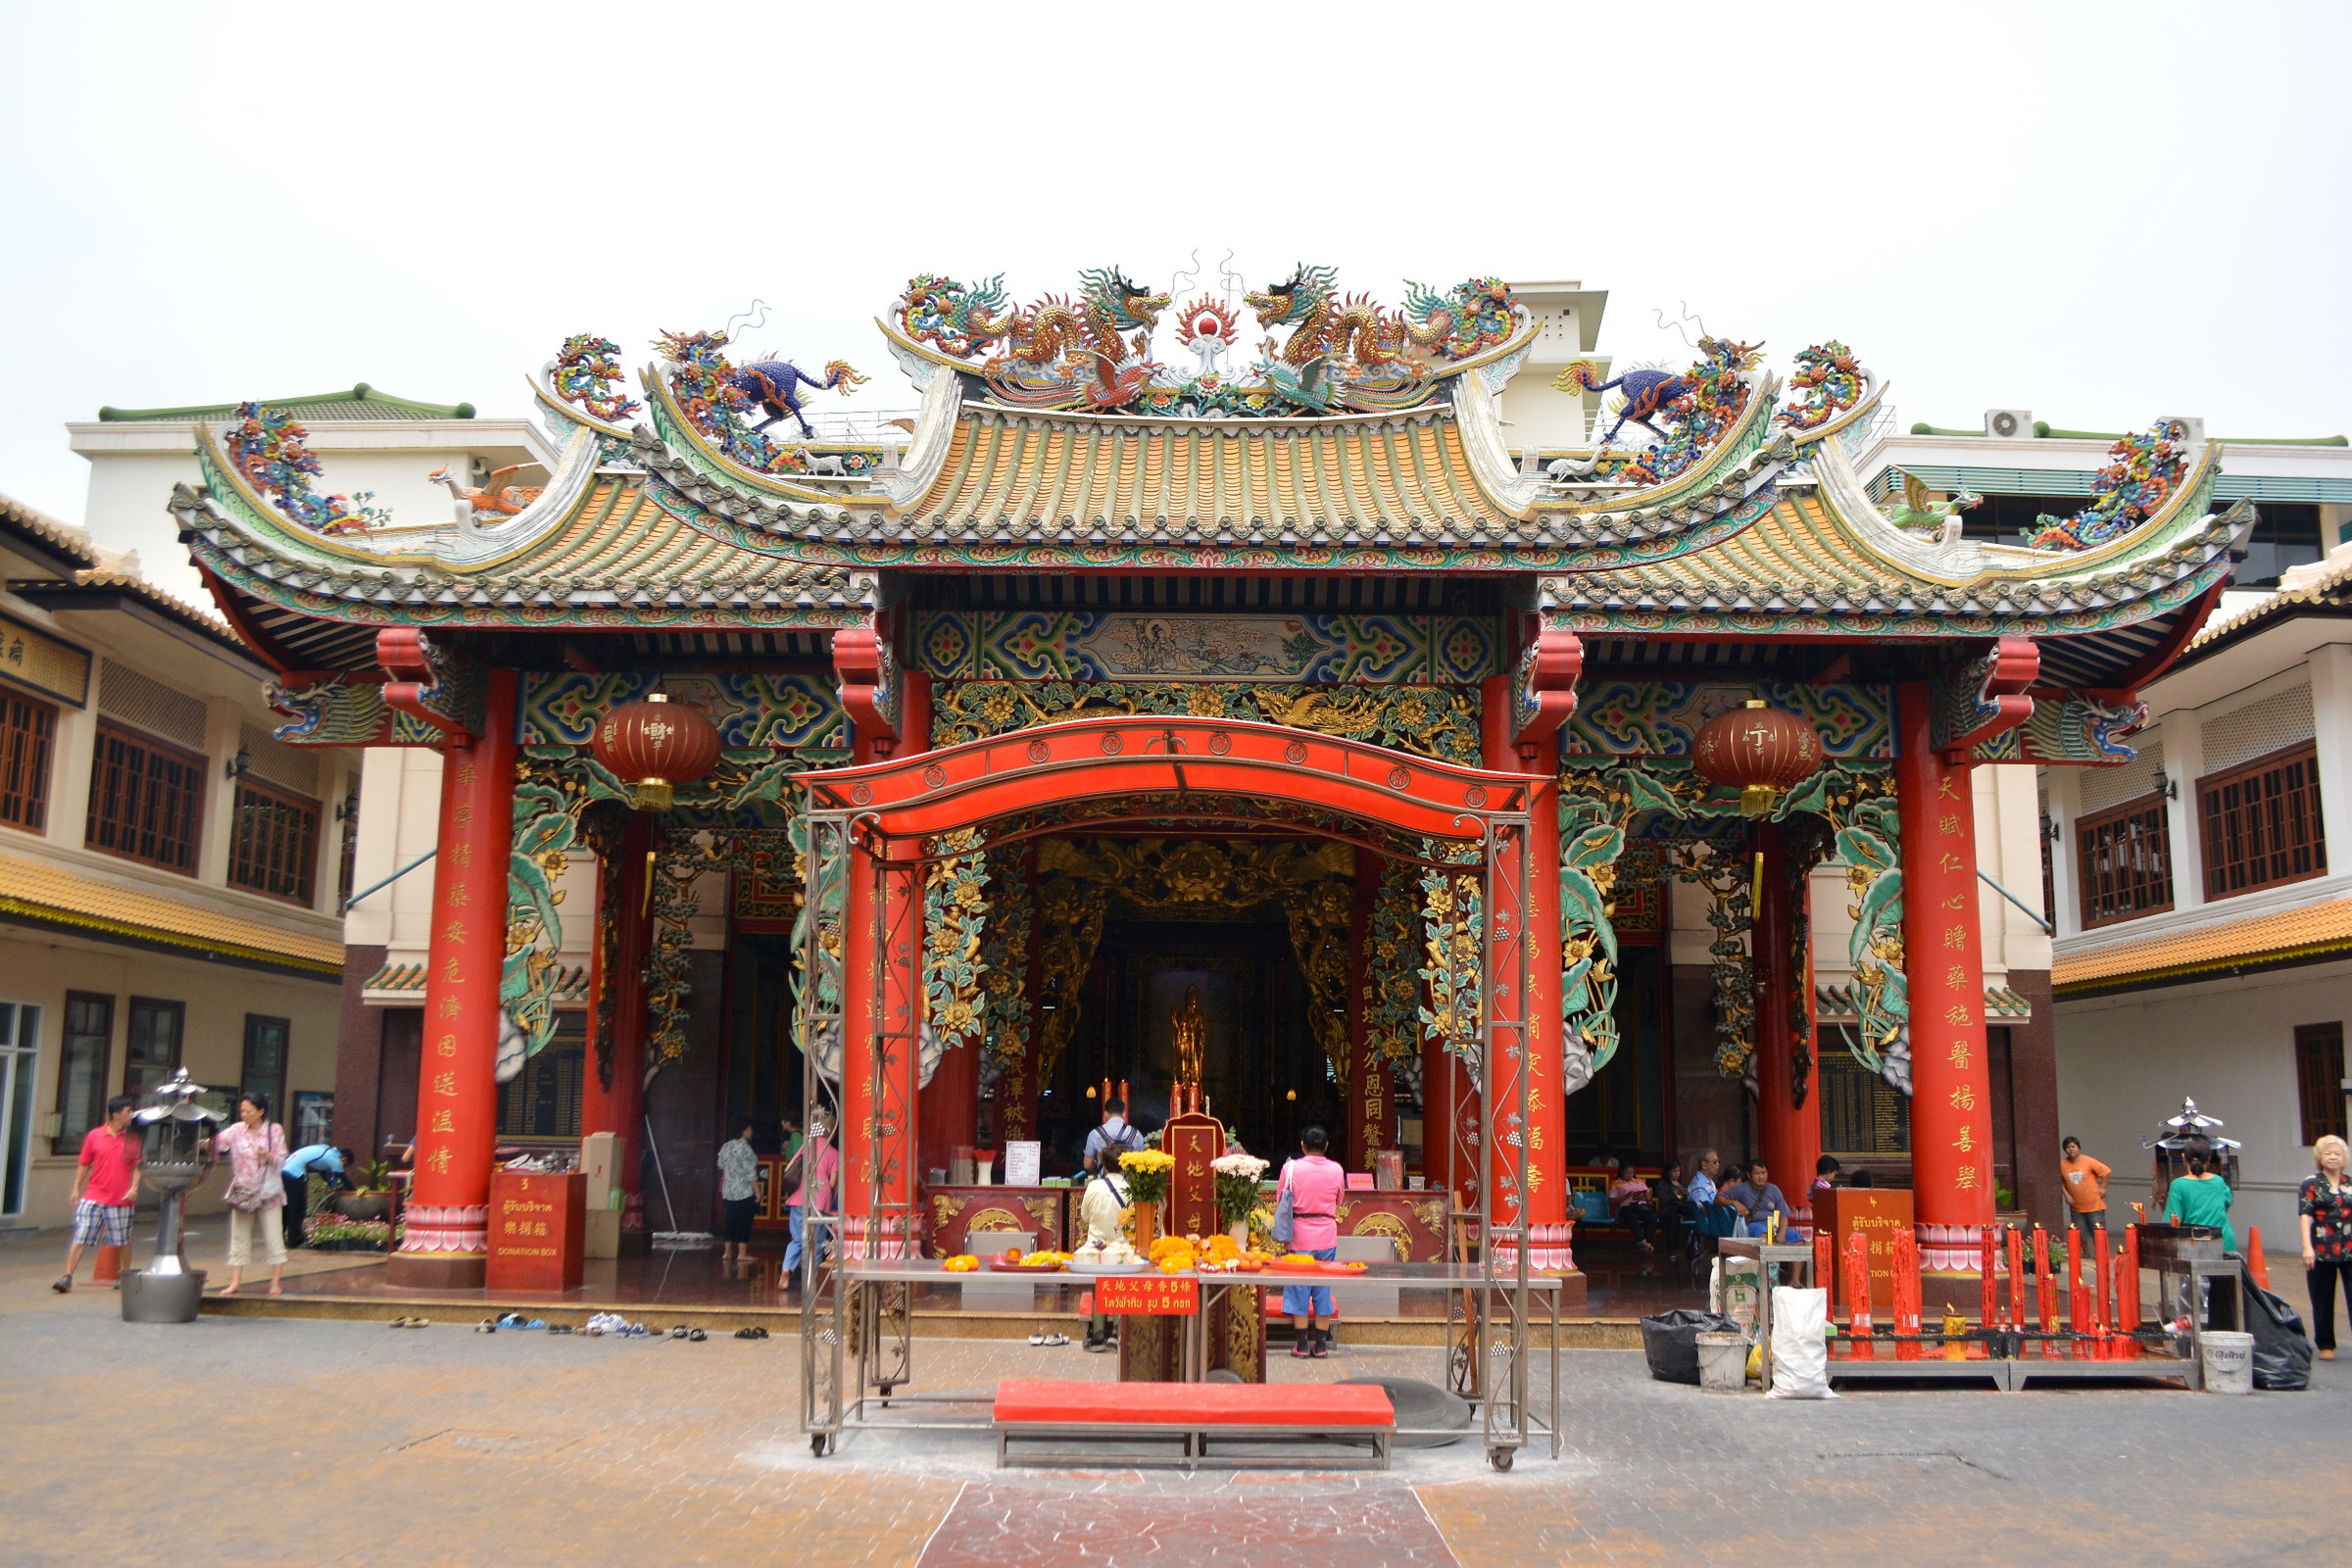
point(872, 831)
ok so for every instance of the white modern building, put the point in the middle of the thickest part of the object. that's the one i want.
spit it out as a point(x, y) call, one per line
point(2203, 941)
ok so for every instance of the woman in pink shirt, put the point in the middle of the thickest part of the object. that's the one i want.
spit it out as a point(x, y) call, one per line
point(1314, 1184)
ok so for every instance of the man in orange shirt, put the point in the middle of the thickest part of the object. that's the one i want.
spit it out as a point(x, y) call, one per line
point(2085, 1188)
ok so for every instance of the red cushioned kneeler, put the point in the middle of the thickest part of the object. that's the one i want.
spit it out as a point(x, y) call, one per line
point(1282, 1404)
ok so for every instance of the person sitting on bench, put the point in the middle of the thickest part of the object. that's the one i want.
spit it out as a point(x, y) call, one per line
point(1631, 1202)
point(1755, 1201)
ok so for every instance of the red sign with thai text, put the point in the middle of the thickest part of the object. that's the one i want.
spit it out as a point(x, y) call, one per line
point(538, 1224)
point(1876, 1212)
point(1148, 1296)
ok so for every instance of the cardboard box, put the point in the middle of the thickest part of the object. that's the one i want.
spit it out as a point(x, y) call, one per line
point(601, 1155)
point(601, 1238)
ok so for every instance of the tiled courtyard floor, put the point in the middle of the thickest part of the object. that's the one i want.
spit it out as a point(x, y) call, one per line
point(312, 1442)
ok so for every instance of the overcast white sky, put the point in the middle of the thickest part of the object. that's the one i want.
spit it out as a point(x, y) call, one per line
point(2101, 213)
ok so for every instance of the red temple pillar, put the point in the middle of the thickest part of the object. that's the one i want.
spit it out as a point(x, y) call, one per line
point(1536, 755)
point(619, 1106)
point(1951, 1123)
point(1369, 1089)
point(1788, 1135)
point(949, 1103)
point(881, 992)
point(447, 1239)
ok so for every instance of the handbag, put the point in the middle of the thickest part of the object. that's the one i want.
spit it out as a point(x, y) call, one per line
point(1286, 1219)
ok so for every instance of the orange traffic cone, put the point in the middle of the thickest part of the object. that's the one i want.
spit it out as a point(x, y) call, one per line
point(110, 1265)
point(2256, 1265)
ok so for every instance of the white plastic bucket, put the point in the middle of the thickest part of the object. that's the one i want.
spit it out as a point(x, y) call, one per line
point(2228, 1362)
point(1723, 1362)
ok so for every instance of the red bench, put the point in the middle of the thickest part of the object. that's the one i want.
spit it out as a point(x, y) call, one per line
point(1046, 1410)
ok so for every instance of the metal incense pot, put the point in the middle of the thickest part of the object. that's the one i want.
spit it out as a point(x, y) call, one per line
point(175, 1151)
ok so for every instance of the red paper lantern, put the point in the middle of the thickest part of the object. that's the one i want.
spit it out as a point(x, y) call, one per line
point(656, 745)
point(1760, 751)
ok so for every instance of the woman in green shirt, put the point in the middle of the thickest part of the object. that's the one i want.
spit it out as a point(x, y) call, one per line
point(2202, 1197)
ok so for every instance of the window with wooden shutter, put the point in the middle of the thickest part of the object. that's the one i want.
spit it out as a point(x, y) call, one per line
point(2319, 1076)
point(274, 843)
point(28, 739)
point(146, 799)
point(2260, 824)
point(2122, 861)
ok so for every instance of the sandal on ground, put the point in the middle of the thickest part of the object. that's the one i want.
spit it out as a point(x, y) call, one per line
point(536, 1323)
point(559, 1328)
point(1039, 1337)
point(1057, 1339)
point(745, 1334)
point(696, 1336)
point(64, 1284)
point(488, 1325)
point(678, 1332)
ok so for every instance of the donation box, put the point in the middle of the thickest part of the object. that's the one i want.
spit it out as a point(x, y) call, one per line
point(538, 1226)
point(1872, 1211)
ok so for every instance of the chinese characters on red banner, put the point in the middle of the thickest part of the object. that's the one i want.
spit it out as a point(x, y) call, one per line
point(1148, 1295)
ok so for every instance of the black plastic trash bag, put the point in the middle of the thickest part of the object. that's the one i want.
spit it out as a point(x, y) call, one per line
point(1670, 1342)
point(2282, 1349)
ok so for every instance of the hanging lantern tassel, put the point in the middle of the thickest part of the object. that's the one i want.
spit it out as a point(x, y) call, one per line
point(1757, 750)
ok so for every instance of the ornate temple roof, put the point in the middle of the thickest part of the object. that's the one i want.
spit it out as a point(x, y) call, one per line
point(596, 548)
point(1382, 453)
point(1016, 475)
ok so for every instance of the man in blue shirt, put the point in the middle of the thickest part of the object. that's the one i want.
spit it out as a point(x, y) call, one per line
point(1756, 1200)
point(1702, 1183)
point(312, 1159)
point(1106, 1143)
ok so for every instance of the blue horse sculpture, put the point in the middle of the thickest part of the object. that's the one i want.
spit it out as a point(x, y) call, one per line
point(775, 384)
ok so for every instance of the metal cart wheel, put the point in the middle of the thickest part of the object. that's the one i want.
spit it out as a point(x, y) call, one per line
point(1499, 1458)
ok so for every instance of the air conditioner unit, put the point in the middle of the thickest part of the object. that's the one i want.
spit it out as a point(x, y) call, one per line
point(2010, 424)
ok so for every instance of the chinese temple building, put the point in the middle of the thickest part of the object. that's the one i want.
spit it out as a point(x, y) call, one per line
point(1378, 698)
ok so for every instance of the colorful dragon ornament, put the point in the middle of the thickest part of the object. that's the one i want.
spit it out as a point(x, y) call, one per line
point(1059, 346)
point(2142, 471)
point(586, 373)
point(271, 450)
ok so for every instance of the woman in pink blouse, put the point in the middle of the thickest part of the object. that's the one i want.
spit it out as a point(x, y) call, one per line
point(256, 1149)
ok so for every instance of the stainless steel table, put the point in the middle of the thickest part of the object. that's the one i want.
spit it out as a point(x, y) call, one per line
point(858, 1344)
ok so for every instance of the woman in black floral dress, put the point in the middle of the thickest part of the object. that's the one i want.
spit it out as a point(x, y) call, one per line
point(2326, 1205)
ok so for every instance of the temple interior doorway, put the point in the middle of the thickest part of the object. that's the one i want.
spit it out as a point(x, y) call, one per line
point(1624, 1110)
point(764, 1065)
point(1263, 1071)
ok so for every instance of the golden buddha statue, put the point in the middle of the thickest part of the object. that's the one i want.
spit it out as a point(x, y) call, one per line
point(1192, 1038)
